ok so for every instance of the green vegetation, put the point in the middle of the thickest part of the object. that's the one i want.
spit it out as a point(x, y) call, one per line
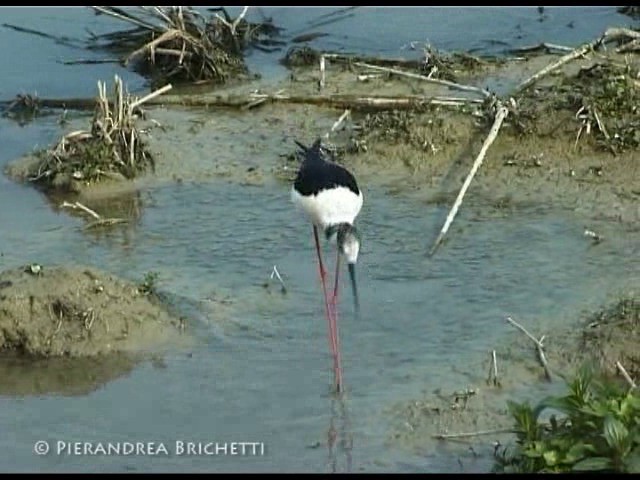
point(148, 285)
point(594, 427)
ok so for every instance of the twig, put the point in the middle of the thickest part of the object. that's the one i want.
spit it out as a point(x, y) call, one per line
point(276, 274)
point(497, 123)
point(457, 86)
point(146, 98)
point(234, 25)
point(445, 436)
point(626, 376)
point(493, 370)
point(322, 69)
point(165, 37)
point(539, 346)
point(129, 18)
point(578, 52)
point(611, 34)
point(338, 122)
point(78, 205)
point(601, 126)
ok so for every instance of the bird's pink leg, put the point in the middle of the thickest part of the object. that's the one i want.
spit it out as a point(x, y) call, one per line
point(329, 310)
point(336, 336)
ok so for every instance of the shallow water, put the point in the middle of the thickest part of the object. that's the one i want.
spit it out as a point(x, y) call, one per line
point(259, 370)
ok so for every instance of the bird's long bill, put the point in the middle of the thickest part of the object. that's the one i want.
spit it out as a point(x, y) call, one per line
point(352, 274)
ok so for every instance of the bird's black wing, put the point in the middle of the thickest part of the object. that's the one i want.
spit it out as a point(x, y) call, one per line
point(313, 177)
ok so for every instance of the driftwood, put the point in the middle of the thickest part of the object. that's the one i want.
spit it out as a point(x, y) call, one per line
point(610, 35)
point(351, 102)
point(497, 123)
point(539, 347)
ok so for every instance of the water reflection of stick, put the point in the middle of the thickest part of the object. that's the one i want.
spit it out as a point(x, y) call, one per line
point(626, 376)
point(497, 123)
point(99, 220)
point(539, 346)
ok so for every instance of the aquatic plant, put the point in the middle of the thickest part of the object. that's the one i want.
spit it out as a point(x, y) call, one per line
point(595, 426)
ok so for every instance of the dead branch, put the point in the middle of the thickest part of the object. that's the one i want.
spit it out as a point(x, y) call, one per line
point(578, 52)
point(151, 96)
point(493, 133)
point(626, 376)
point(632, 46)
point(611, 34)
point(130, 18)
point(150, 47)
point(352, 102)
point(539, 346)
point(616, 33)
point(337, 123)
point(446, 83)
point(234, 25)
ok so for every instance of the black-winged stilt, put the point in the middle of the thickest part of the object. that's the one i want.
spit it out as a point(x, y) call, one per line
point(329, 196)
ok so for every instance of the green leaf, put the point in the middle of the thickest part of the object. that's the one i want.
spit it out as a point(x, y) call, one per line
point(550, 457)
point(577, 452)
point(593, 463)
point(615, 433)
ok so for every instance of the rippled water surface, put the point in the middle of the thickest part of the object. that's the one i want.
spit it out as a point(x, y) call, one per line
point(259, 369)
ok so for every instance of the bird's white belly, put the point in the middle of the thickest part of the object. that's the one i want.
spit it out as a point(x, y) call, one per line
point(329, 207)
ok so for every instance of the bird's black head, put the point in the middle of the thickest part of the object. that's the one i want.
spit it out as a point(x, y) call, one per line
point(347, 239)
point(314, 152)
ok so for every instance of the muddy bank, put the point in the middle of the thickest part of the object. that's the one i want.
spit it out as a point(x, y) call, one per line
point(52, 311)
point(551, 150)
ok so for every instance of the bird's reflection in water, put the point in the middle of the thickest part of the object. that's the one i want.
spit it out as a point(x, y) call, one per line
point(339, 437)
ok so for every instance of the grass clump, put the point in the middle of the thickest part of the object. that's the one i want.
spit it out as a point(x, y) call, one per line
point(112, 148)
